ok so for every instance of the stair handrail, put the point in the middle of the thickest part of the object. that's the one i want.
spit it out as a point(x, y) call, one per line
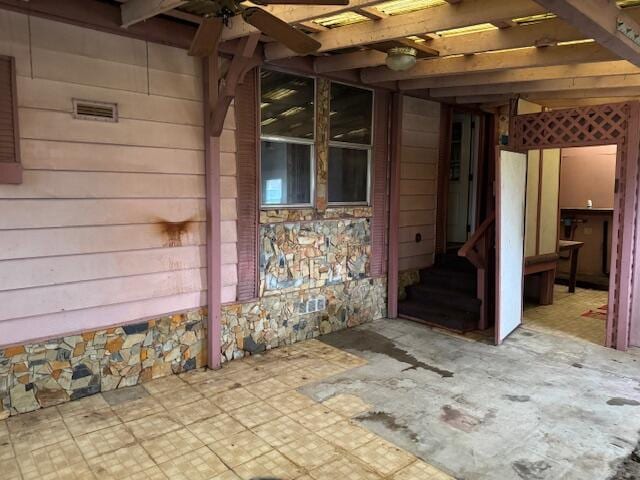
point(469, 249)
point(478, 251)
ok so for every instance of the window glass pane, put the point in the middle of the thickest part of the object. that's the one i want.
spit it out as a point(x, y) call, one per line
point(348, 175)
point(286, 173)
point(351, 114)
point(286, 107)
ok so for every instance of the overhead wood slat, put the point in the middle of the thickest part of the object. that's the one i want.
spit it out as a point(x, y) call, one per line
point(599, 19)
point(134, 11)
point(432, 19)
point(488, 62)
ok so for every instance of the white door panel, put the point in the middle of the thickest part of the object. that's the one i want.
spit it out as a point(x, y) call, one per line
point(511, 179)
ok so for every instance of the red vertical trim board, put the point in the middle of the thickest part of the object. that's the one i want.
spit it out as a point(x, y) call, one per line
point(394, 204)
point(379, 183)
point(246, 104)
point(442, 187)
point(212, 178)
point(629, 213)
point(10, 167)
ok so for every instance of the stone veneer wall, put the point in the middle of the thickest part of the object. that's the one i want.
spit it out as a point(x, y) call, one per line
point(407, 278)
point(54, 371)
point(306, 254)
point(274, 320)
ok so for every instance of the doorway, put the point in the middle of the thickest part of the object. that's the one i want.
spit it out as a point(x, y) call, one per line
point(462, 183)
point(578, 304)
point(617, 124)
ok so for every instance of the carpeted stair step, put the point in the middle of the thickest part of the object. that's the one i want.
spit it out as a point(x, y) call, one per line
point(450, 279)
point(454, 262)
point(439, 315)
point(451, 298)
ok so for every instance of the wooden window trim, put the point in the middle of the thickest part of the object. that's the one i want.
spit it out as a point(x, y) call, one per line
point(11, 172)
point(248, 180)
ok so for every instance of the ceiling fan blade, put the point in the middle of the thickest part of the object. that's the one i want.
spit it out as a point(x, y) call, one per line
point(301, 2)
point(206, 38)
point(281, 31)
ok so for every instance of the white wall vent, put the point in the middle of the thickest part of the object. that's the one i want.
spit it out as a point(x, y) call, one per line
point(312, 305)
point(99, 111)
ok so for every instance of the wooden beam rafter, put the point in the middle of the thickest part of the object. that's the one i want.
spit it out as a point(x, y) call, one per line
point(243, 60)
point(134, 11)
point(293, 14)
point(599, 19)
point(491, 62)
point(619, 82)
point(527, 74)
point(432, 19)
point(371, 13)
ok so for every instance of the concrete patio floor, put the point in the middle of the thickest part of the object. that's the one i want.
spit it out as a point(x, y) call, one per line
point(537, 407)
point(387, 400)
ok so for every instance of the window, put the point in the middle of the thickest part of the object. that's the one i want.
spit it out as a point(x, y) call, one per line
point(350, 139)
point(10, 167)
point(287, 124)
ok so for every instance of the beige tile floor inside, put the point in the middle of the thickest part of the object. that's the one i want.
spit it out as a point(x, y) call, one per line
point(564, 317)
point(244, 421)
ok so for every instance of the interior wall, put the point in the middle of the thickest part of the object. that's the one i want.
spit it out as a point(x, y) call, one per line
point(109, 224)
point(549, 186)
point(418, 173)
point(541, 210)
point(588, 173)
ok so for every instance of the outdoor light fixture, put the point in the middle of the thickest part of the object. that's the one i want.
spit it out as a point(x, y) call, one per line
point(401, 58)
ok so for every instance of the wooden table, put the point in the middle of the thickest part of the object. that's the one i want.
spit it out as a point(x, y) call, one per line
point(574, 249)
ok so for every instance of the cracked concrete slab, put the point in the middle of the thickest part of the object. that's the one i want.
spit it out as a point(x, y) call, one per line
point(539, 407)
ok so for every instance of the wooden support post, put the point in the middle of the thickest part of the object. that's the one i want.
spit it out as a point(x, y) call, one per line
point(394, 205)
point(211, 76)
point(243, 60)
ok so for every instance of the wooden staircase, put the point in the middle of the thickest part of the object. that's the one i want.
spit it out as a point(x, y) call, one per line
point(445, 296)
point(454, 293)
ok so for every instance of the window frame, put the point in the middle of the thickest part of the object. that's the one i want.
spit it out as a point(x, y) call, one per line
point(355, 146)
point(285, 139)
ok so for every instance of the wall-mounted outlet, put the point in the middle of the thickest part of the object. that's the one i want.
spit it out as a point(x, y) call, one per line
point(312, 305)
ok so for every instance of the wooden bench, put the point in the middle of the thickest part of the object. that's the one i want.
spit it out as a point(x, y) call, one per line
point(545, 266)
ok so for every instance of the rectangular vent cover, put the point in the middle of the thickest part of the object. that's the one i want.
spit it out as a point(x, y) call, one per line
point(316, 304)
point(99, 111)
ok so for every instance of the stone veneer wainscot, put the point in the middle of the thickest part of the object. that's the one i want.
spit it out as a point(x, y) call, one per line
point(42, 374)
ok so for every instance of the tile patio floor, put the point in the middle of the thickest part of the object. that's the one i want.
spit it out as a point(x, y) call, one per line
point(564, 317)
point(244, 421)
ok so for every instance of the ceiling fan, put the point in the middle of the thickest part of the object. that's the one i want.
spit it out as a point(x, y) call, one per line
point(216, 15)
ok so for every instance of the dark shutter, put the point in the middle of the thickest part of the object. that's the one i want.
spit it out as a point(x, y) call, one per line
point(10, 168)
point(248, 142)
point(379, 183)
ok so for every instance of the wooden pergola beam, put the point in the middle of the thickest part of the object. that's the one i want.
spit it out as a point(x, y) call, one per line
point(433, 19)
point(599, 19)
point(492, 62)
point(348, 61)
point(583, 102)
point(548, 32)
point(616, 67)
point(371, 13)
point(536, 86)
point(293, 14)
point(134, 11)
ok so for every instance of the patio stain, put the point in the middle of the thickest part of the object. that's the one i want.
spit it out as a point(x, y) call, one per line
point(531, 470)
point(389, 421)
point(517, 398)
point(621, 402)
point(458, 419)
point(367, 341)
point(629, 468)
